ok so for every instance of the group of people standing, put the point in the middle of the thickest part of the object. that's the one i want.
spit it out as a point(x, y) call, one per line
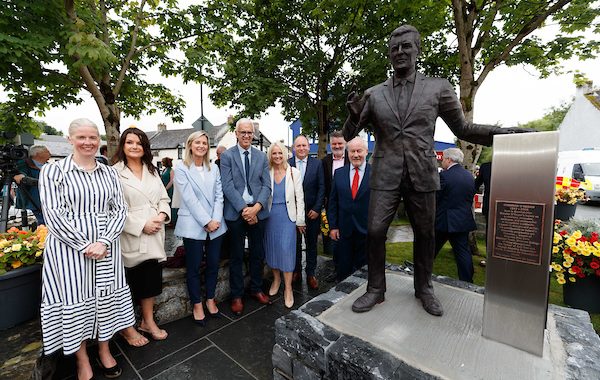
point(107, 230)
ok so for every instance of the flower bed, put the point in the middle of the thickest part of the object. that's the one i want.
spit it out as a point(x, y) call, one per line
point(576, 251)
point(21, 248)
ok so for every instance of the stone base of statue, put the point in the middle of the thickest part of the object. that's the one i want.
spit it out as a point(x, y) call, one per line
point(324, 339)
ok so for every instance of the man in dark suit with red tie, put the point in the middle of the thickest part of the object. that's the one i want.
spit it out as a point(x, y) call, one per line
point(348, 210)
point(454, 211)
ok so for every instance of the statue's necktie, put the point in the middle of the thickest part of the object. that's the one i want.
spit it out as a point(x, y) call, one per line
point(247, 171)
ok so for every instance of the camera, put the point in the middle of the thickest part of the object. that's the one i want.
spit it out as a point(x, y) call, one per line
point(11, 152)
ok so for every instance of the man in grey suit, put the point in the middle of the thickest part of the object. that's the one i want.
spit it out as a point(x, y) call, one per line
point(246, 187)
point(402, 112)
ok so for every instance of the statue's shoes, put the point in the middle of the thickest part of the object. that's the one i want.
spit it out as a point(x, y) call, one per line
point(431, 304)
point(367, 301)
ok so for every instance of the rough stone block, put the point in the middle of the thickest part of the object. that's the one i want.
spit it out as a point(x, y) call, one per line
point(322, 302)
point(282, 360)
point(352, 358)
point(302, 372)
point(305, 336)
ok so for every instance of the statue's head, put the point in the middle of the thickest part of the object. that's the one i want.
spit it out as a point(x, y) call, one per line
point(404, 48)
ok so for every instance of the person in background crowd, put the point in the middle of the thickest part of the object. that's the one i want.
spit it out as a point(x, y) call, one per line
point(103, 158)
point(484, 177)
point(84, 291)
point(167, 180)
point(28, 194)
point(454, 214)
point(348, 210)
point(247, 188)
point(311, 175)
point(200, 222)
point(143, 238)
point(220, 149)
point(331, 162)
point(286, 213)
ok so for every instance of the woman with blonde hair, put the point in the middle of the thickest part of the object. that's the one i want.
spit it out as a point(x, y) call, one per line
point(286, 216)
point(200, 221)
point(84, 291)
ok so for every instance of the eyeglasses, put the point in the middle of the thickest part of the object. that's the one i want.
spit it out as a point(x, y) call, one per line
point(244, 133)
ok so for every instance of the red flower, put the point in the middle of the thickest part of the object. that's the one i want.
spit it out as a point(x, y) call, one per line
point(582, 238)
point(594, 237)
point(568, 251)
point(598, 272)
point(594, 265)
point(576, 269)
point(581, 275)
point(580, 262)
point(563, 233)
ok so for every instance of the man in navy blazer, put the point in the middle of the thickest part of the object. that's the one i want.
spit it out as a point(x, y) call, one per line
point(313, 184)
point(331, 162)
point(246, 187)
point(454, 215)
point(348, 210)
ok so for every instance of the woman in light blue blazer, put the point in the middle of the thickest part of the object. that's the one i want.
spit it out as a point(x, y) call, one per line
point(200, 221)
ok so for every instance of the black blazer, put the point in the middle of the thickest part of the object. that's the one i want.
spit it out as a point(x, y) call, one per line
point(454, 201)
point(313, 184)
point(343, 212)
point(484, 177)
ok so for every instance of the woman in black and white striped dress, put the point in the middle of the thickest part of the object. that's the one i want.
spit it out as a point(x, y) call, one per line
point(84, 292)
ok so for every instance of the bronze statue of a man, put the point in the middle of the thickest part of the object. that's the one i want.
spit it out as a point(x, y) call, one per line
point(402, 112)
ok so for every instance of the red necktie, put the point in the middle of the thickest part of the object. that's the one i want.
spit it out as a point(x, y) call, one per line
point(355, 183)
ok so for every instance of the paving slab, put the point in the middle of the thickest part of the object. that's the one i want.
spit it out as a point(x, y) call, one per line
point(448, 347)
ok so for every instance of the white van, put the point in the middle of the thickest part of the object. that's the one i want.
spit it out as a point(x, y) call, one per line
point(582, 165)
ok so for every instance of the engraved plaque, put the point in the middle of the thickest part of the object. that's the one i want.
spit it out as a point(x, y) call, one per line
point(518, 230)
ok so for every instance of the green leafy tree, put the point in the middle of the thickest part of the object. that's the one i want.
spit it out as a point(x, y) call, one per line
point(492, 33)
point(52, 50)
point(551, 120)
point(51, 130)
point(307, 54)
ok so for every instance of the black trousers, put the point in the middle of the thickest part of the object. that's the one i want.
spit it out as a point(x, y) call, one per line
point(238, 229)
point(350, 253)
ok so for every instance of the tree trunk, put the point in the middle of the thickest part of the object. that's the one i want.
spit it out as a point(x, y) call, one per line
point(112, 125)
point(323, 129)
point(468, 89)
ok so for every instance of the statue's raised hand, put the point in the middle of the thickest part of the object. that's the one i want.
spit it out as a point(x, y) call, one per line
point(355, 103)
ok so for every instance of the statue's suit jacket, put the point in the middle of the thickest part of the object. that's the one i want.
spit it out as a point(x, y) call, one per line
point(410, 138)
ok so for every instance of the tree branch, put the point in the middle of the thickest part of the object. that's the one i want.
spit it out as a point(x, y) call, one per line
point(527, 29)
point(132, 50)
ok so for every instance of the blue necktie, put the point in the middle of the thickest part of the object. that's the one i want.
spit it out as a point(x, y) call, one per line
point(247, 170)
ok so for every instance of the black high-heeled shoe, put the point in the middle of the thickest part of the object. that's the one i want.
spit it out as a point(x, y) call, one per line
point(216, 315)
point(110, 373)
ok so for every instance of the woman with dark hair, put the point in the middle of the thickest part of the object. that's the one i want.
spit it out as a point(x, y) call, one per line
point(200, 222)
point(143, 238)
point(167, 179)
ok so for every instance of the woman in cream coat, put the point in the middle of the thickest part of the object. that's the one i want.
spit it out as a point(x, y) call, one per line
point(200, 221)
point(285, 217)
point(143, 239)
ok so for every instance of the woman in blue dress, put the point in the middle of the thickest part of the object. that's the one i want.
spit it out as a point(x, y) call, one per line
point(286, 216)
